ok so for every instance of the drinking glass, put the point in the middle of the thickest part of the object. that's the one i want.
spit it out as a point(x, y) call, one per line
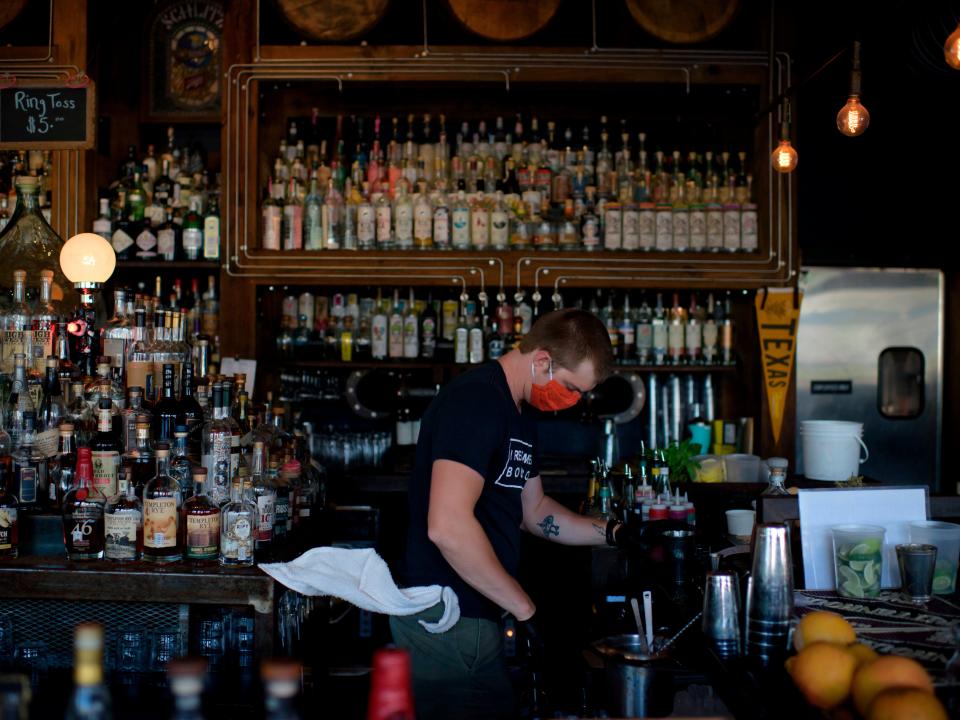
point(858, 559)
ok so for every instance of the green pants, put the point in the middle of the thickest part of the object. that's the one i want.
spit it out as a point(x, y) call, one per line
point(457, 675)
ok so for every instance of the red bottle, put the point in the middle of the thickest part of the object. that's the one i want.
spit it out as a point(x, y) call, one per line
point(391, 694)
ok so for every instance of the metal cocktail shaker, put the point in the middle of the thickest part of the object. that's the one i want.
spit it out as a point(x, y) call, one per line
point(770, 593)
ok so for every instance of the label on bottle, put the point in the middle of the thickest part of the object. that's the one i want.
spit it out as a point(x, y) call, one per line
point(27, 483)
point(217, 461)
point(192, 240)
point(81, 527)
point(395, 336)
point(366, 226)
point(693, 336)
point(272, 219)
point(203, 537)
point(403, 224)
point(104, 228)
point(461, 353)
point(710, 342)
point(378, 337)
point(120, 240)
point(714, 227)
point(748, 231)
point(480, 228)
point(283, 521)
point(236, 541)
point(211, 238)
point(292, 227)
point(647, 228)
point(8, 527)
point(105, 471)
point(146, 244)
point(675, 339)
point(120, 532)
point(140, 374)
point(659, 338)
point(476, 345)
point(42, 347)
point(664, 239)
point(384, 216)
point(313, 227)
point(731, 227)
point(160, 522)
point(15, 341)
point(441, 227)
point(461, 228)
point(422, 224)
point(612, 228)
point(644, 339)
point(449, 319)
point(266, 514)
point(167, 243)
point(681, 229)
point(631, 228)
point(411, 337)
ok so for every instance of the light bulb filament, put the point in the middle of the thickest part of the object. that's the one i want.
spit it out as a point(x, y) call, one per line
point(783, 159)
point(853, 120)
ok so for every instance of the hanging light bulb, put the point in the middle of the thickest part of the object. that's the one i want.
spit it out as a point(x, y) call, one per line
point(853, 118)
point(784, 158)
point(951, 49)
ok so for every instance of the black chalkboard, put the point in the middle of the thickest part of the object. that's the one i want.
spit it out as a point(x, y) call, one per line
point(47, 116)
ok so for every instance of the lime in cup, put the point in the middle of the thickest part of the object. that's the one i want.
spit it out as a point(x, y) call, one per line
point(858, 559)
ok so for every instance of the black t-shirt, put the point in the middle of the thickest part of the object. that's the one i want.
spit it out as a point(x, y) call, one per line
point(473, 421)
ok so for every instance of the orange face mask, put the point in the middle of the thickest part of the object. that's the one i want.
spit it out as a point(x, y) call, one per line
point(551, 396)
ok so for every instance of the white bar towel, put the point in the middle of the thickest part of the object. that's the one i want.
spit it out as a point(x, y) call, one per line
point(362, 578)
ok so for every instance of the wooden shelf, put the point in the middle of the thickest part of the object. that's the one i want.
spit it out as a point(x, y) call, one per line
point(167, 265)
point(426, 365)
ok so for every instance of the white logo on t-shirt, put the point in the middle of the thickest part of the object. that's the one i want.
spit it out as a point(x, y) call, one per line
point(519, 463)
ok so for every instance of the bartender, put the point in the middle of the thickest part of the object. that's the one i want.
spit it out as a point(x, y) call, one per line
point(475, 484)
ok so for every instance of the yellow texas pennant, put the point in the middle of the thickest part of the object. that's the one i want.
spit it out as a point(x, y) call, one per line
point(778, 314)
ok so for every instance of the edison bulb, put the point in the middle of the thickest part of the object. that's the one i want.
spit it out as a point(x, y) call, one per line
point(784, 158)
point(951, 49)
point(853, 118)
point(87, 258)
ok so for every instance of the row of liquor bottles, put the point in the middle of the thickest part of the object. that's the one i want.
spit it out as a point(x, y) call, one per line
point(168, 499)
point(500, 190)
point(19, 163)
point(164, 207)
point(349, 327)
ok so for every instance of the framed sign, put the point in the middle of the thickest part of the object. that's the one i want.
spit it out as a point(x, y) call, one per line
point(185, 60)
point(47, 115)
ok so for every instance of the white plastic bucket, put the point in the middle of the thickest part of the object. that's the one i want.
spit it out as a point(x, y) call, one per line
point(831, 449)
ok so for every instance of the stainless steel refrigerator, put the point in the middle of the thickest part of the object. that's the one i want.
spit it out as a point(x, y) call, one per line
point(870, 349)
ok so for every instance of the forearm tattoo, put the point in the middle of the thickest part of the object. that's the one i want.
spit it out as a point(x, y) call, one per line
point(548, 527)
point(601, 530)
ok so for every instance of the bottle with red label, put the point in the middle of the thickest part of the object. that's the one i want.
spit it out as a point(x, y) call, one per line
point(83, 533)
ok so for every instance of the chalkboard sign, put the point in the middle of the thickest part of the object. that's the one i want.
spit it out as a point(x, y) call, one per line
point(50, 116)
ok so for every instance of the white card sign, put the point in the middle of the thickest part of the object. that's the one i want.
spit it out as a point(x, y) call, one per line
point(230, 366)
point(891, 507)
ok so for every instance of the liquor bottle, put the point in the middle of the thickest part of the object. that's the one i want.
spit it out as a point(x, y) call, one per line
point(181, 468)
point(461, 342)
point(693, 334)
point(52, 407)
point(379, 331)
point(9, 527)
point(211, 232)
point(626, 332)
point(428, 331)
point(403, 218)
point(423, 222)
point(137, 465)
point(235, 435)
point(61, 468)
point(272, 216)
point(46, 315)
point(237, 527)
point(186, 679)
point(83, 533)
point(292, 225)
point(123, 524)
point(200, 522)
point(30, 468)
point(103, 225)
point(192, 234)
point(105, 451)
point(391, 689)
point(441, 223)
point(139, 365)
point(17, 325)
point(133, 409)
point(660, 334)
point(90, 699)
point(145, 241)
point(710, 334)
point(411, 330)
point(395, 329)
point(312, 216)
point(675, 332)
point(726, 334)
point(286, 483)
point(383, 214)
point(165, 412)
point(216, 450)
point(116, 333)
point(161, 507)
point(479, 222)
point(460, 220)
point(282, 678)
point(265, 496)
point(189, 412)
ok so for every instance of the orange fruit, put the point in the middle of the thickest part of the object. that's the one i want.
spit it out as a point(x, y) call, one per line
point(823, 626)
point(887, 671)
point(862, 653)
point(823, 672)
point(906, 704)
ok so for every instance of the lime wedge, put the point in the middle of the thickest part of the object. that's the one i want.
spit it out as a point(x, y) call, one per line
point(858, 565)
point(851, 588)
point(871, 573)
point(942, 583)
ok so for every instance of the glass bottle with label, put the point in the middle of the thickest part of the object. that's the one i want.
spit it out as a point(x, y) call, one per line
point(460, 220)
point(52, 407)
point(411, 330)
point(134, 408)
point(165, 411)
point(46, 315)
point(379, 331)
point(83, 533)
point(441, 222)
point(189, 412)
point(91, 696)
point(103, 225)
point(123, 524)
point(161, 508)
point(395, 329)
point(17, 325)
point(211, 231)
point(237, 528)
point(137, 464)
point(61, 468)
point(192, 233)
point(216, 450)
point(201, 522)
point(428, 331)
point(403, 218)
point(181, 468)
point(139, 365)
point(659, 326)
point(105, 450)
point(265, 495)
point(312, 213)
point(710, 334)
point(9, 527)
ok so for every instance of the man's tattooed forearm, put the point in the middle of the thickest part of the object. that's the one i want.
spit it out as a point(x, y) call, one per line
point(548, 527)
point(601, 530)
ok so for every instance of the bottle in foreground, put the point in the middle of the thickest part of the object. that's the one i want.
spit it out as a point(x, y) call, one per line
point(237, 528)
point(201, 522)
point(161, 509)
point(91, 698)
point(391, 691)
point(123, 524)
point(186, 677)
point(83, 534)
point(281, 684)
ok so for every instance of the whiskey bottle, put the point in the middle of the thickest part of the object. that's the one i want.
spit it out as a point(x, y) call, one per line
point(265, 496)
point(105, 451)
point(9, 529)
point(52, 408)
point(165, 411)
point(83, 533)
point(139, 365)
point(62, 467)
point(216, 450)
point(238, 527)
point(17, 324)
point(91, 698)
point(200, 522)
point(46, 316)
point(161, 508)
point(138, 464)
point(123, 524)
point(181, 469)
point(189, 412)
point(30, 468)
point(133, 410)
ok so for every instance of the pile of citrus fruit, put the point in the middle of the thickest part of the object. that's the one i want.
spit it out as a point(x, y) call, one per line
point(836, 673)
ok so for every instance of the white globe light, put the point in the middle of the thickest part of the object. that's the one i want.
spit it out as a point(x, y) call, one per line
point(87, 258)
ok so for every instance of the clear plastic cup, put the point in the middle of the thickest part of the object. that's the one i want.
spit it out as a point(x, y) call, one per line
point(946, 537)
point(858, 559)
